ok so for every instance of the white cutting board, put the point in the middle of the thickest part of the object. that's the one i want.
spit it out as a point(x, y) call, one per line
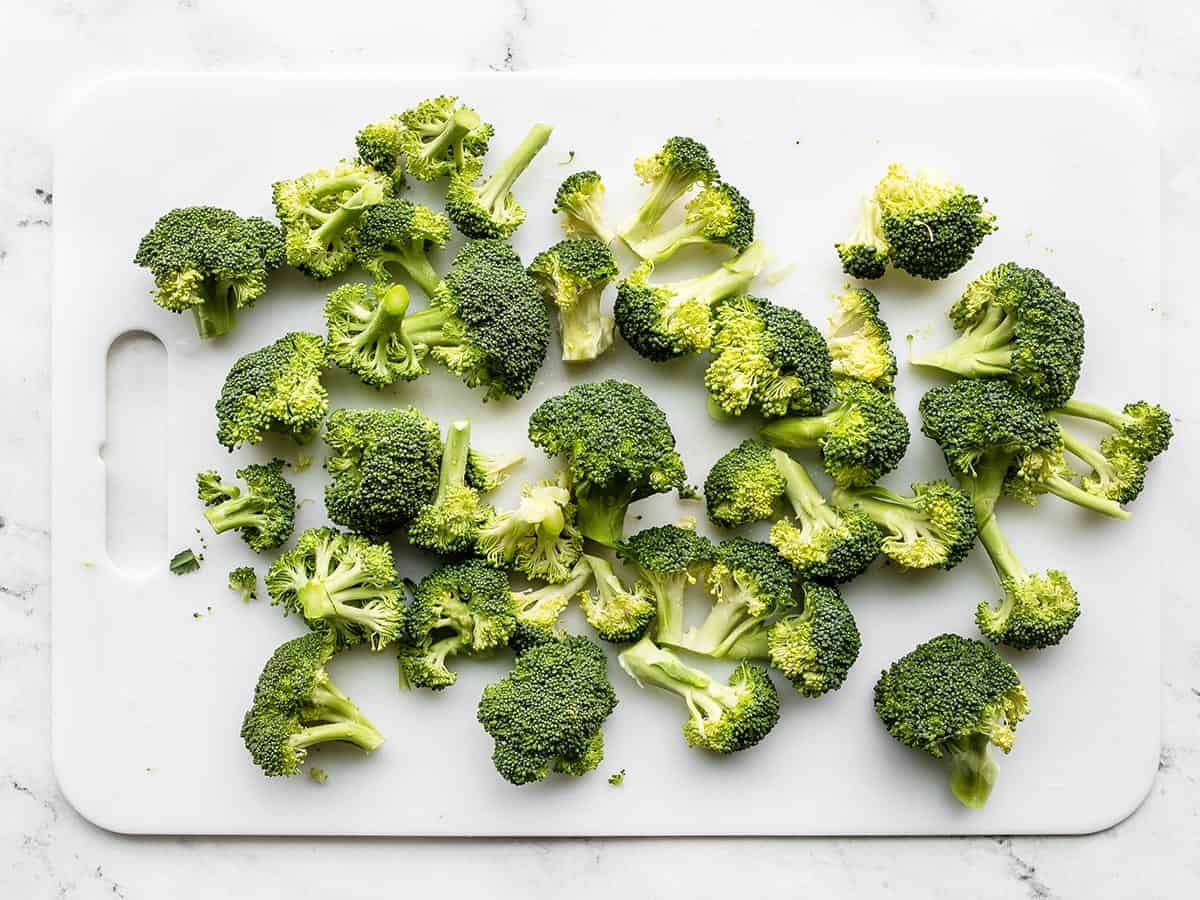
point(148, 699)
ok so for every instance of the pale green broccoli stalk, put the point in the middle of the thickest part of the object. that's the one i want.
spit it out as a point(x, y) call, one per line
point(366, 334)
point(264, 514)
point(539, 538)
point(489, 210)
point(451, 523)
point(619, 614)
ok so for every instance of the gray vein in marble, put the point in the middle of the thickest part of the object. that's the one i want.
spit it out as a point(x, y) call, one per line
point(1025, 872)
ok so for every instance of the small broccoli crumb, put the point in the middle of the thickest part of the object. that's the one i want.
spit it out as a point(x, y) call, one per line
point(570, 158)
point(320, 776)
point(616, 779)
point(183, 562)
point(88, 564)
point(303, 461)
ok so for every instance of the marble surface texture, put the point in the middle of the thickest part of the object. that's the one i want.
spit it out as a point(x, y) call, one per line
point(49, 48)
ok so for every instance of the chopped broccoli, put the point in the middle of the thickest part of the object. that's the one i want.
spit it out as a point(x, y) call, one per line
point(1116, 474)
point(450, 522)
point(619, 614)
point(722, 718)
point(768, 357)
point(401, 233)
point(619, 448)
point(433, 139)
point(668, 558)
point(542, 607)
point(211, 261)
point(743, 486)
point(264, 514)
point(539, 538)
point(487, 471)
point(953, 697)
point(1141, 430)
point(319, 775)
point(828, 545)
point(572, 275)
point(184, 562)
point(366, 334)
point(547, 714)
point(865, 253)
point(321, 212)
point(934, 528)
point(680, 165)
point(816, 647)
point(342, 583)
point(862, 438)
point(616, 779)
point(860, 341)
point(489, 210)
point(275, 388)
point(667, 321)
point(244, 580)
point(718, 216)
point(384, 466)
point(297, 706)
point(580, 201)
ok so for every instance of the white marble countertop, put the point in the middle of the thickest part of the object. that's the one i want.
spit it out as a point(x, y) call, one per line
point(51, 47)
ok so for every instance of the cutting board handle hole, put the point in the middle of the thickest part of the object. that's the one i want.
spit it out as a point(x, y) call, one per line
point(135, 452)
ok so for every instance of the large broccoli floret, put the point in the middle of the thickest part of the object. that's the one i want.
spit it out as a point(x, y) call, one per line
point(953, 697)
point(1141, 430)
point(486, 323)
point(767, 357)
point(667, 321)
point(743, 486)
point(680, 165)
point(619, 448)
point(1015, 323)
point(668, 559)
point(435, 138)
point(450, 523)
point(750, 583)
point(539, 538)
point(401, 233)
point(321, 212)
point(264, 514)
point(816, 647)
point(824, 544)
point(865, 253)
point(580, 202)
point(572, 275)
point(862, 438)
point(860, 341)
point(489, 210)
point(275, 388)
point(619, 614)
point(211, 261)
point(297, 706)
point(384, 465)
point(934, 528)
point(366, 334)
point(717, 217)
point(340, 582)
point(462, 608)
point(722, 718)
point(547, 714)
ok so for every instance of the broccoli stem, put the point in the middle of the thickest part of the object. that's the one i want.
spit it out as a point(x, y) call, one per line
point(327, 705)
point(728, 624)
point(647, 663)
point(413, 259)
point(386, 320)
point(732, 278)
point(450, 138)
point(364, 737)
point(798, 487)
point(601, 517)
point(984, 349)
point(664, 192)
point(1090, 456)
point(973, 772)
point(1072, 493)
point(664, 244)
point(798, 431)
point(345, 216)
point(315, 602)
point(337, 185)
point(238, 512)
point(218, 313)
point(751, 644)
point(1004, 560)
point(498, 184)
point(585, 332)
point(425, 327)
point(669, 591)
point(454, 458)
point(890, 511)
point(1081, 409)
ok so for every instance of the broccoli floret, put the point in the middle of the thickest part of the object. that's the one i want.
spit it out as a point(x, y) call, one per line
point(244, 580)
point(668, 558)
point(487, 471)
point(580, 201)
point(619, 614)
point(619, 448)
point(827, 545)
point(462, 608)
point(768, 357)
point(402, 233)
point(743, 486)
point(450, 523)
point(211, 261)
point(865, 253)
point(542, 607)
point(680, 165)
point(722, 718)
point(934, 528)
point(366, 334)
point(1116, 474)
point(297, 706)
point(486, 323)
point(433, 139)
point(719, 216)
point(384, 466)
point(489, 210)
point(862, 438)
point(539, 538)
point(547, 714)
point(1141, 430)
point(321, 212)
point(572, 275)
point(816, 647)
point(667, 321)
point(750, 583)
point(341, 582)
point(275, 388)
point(953, 697)
point(1015, 323)
point(860, 341)
point(264, 513)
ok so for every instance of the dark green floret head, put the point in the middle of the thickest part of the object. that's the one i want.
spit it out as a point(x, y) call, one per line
point(815, 648)
point(751, 572)
point(580, 202)
point(865, 253)
point(401, 233)
point(1036, 612)
point(264, 513)
point(743, 486)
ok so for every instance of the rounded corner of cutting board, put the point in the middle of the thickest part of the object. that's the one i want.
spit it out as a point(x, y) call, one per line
point(76, 792)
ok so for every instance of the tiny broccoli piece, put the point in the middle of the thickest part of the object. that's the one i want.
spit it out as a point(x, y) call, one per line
point(572, 275)
point(435, 138)
point(297, 706)
point(542, 607)
point(743, 486)
point(402, 233)
point(244, 580)
point(619, 614)
point(668, 559)
point(384, 465)
point(825, 544)
point(275, 388)
point(1116, 473)
point(580, 202)
point(450, 523)
point(1141, 430)
point(211, 261)
point(860, 341)
point(667, 321)
point(539, 538)
point(767, 357)
point(264, 513)
point(366, 334)
point(487, 471)
point(675, 169)
point(865, 253)
point(722, 718)
point(547, 714)
point(183, 562)
point(952, 697)
point(342, 583)
point(619, 448)
point(616, 779)
point(489, 210)
point(816, 647)
point(934, 528)
point(320, 776)
point(719, 216)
